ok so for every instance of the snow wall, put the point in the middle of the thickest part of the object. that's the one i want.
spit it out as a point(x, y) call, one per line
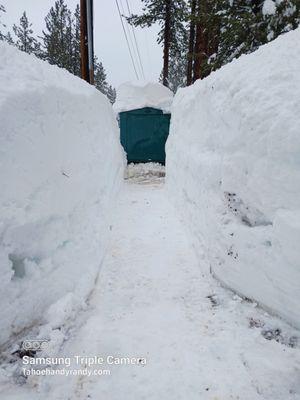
point(233, 169)
point(61, 165)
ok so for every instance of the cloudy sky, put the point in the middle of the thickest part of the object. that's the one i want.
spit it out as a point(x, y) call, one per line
point(110, 44)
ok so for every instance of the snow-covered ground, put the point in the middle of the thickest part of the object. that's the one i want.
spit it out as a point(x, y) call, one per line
point(233, 171)
point(61, 166)
point(155, 300)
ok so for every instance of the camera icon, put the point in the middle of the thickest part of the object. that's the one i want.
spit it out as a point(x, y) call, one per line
point(35, 344)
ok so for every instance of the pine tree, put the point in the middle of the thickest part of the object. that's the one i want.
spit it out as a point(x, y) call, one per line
point(167, 41)
point(191, 45)
point(169, 14)
point(242, 31)
point(8, 38)
point(38, 51)
point(207, 17)
point(179, 62)
point(111, 94)
point(100, 81)
point(227, 29)
point(2, 10)
point(76, 43)
point(200, 38)
point(25, 41)
point(61, 41)
point(246, 26)
point(100, 76)
point(286, 18)
point(69, 44)
point(57, 38)
point(177, 71)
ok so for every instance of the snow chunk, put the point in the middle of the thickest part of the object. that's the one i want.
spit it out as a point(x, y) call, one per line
point(135, 95)
point(233, 170)
point(269, 8)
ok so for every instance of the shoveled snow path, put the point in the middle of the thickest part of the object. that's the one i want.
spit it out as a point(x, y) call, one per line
point(151, 301)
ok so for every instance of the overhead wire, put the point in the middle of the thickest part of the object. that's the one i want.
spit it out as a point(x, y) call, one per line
point(126, 38)
point(136, 42)
point(132, 44)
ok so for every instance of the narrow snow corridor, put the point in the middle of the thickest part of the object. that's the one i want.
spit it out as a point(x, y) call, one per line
point(153, 300)
point(176, 277)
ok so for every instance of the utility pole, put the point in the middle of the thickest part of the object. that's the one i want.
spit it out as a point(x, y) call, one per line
point(86, 40)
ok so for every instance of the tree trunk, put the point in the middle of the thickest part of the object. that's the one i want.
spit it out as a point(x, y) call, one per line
point(189, 79)
point(167, 38)
point(200, 43)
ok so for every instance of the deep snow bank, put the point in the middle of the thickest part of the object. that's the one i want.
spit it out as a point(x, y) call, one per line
point(135, 95)
point(233, 167)
point(60, 166)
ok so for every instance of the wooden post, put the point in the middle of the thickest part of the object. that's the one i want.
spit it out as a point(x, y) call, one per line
point(84, 42)
point(90, 31)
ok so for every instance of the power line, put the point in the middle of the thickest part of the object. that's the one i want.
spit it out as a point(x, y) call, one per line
point(132, 46)
point(125, 34)
point(136, 43)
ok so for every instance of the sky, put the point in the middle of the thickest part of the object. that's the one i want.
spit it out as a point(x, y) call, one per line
point(110, 43)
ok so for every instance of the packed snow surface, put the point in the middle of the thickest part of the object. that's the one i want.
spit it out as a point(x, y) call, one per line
point(60, 167)
point(233, 170)
point(135, 95)
point(156, 304)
